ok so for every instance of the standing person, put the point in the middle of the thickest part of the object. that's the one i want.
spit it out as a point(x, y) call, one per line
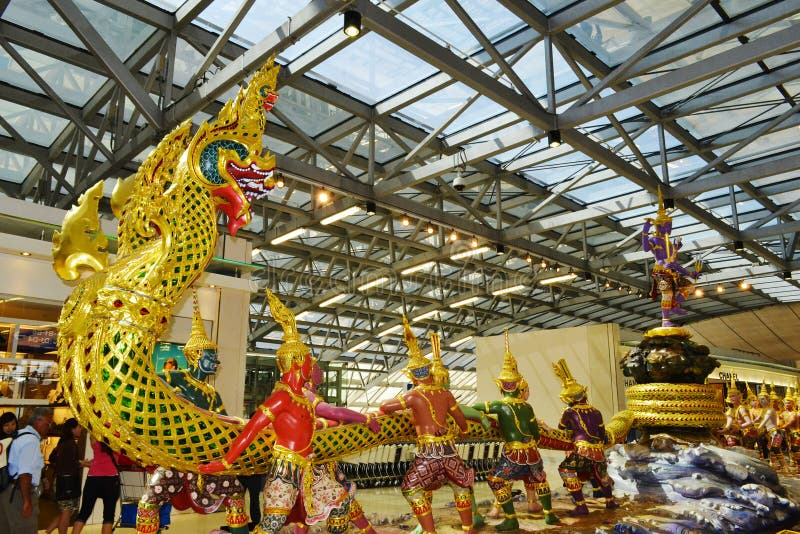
point(101, 483)
point(253, 485)
point(589, 435)
point(520, 459)
point(437, 461)
point(67, 461)
point(19, 502)
point(289, 477)
point(8, 425)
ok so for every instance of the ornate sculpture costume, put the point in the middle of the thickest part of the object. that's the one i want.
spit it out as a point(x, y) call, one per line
point(589, 434)
point(737, 417)
point(520, 459)
point(789, 421)
point(771, 436)
point(187, 489)
point(437, 462)
point(329, 415)
point(292, 416)
point(669, 277)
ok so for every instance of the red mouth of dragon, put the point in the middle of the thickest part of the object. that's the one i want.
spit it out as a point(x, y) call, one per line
point(253, 183)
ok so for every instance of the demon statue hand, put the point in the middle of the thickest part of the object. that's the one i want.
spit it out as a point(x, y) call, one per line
point(520, 459)
point(588, 458)
point(290, 477)
point(437, 461)
point(166, 484)
point(329, 415)
point(669, 278)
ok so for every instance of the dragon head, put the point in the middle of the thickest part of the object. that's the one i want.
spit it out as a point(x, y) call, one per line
point(225, 156)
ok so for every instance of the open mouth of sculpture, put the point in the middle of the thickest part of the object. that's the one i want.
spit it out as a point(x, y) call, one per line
point(254, 181)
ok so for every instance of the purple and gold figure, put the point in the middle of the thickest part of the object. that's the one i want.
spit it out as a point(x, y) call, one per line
point(437, 461)
point(588, 458)
point(520, 459)
point(669, 278)
point(165, 483)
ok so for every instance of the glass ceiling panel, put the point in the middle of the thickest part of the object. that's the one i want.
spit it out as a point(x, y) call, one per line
point(310, 114)
point(35, 126)
point(551, 6)
point(435, 19)
point(168, 5)
point(15, 167)
point(373, 69)
point(73, 84)
point(122, 33)
point(531, 69)
point(768, 144)
point(736, 114)
point(30, 14)
point(618, 32)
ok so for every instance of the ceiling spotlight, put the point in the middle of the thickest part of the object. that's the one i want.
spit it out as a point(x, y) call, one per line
point(458, 181)
point(370, 207)
point(607, 284)
point(500, 248)
point(280, 182)
point(669, 203)
point(558, 268)
point(587, 275)
point(473, 243)
point(554, 138)
point(430, 229)
point(720, 289)
point(25, 253)
point(738, 245)
point(528, 258)
point(405, 221)
point(352, 23)
point(323, 196)
point(787, 275)
point(543, 264)
point(743, 285)
point(453, 235)
point(698, 292)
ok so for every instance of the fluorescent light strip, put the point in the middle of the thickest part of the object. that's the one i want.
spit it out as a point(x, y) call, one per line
point(360, 346)
point(388, 331)
point(332, 300)
point(425, 315)
point(464, 302)
point(379, 281)
point(461, 341)
point(511, 289)
point(420, 267)
point(352, 210)
point(470, 252)
point(297, 232)
point(556, 279)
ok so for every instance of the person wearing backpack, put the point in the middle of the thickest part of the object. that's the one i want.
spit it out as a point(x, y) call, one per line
point(8, 425)
point(102, 482)
point(67, 462)
point(19, 502)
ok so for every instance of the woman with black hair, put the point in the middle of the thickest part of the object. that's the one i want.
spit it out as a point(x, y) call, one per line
point(67, 461)
point(102, 482)
point(8, 425)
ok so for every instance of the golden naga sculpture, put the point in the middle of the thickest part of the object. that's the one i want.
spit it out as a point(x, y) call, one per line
point(167, 232)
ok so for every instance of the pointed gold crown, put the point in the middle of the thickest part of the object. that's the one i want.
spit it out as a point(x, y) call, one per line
point(749, 392)
point(661, 216)
point(773, 395)
point(762, 391)
point(571, 391)
point(418, 365)
point(790, 394)
point(440, 373)
point(732, 389)
point(198, 340)
point(292, 351)
point(509, 378)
